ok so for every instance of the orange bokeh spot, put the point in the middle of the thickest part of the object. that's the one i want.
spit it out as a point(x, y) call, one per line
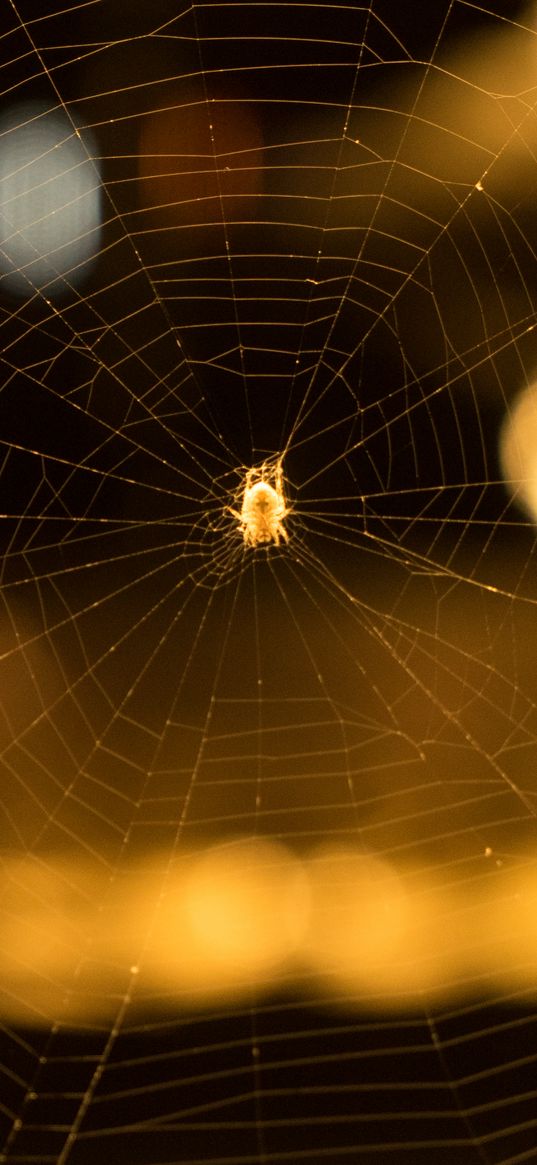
point(200, 161)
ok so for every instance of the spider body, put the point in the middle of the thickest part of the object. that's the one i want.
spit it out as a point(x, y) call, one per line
point(263, 508)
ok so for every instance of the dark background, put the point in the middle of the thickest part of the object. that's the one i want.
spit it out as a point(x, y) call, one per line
point(327, 1084)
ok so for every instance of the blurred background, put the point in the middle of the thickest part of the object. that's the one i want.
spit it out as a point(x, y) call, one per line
point(268, 813)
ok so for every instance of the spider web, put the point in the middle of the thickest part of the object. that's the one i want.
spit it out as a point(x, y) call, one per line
point(268, 814)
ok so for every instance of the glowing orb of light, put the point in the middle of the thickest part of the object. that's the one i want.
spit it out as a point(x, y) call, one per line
point(232, 917)
point(50, 196)
point(518, 449)
point(200, 162)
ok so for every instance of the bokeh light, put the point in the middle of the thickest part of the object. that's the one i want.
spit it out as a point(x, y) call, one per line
point(50, 201)
point(518, 449)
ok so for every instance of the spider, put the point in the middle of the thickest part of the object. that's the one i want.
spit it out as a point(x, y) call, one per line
point(263, 506)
